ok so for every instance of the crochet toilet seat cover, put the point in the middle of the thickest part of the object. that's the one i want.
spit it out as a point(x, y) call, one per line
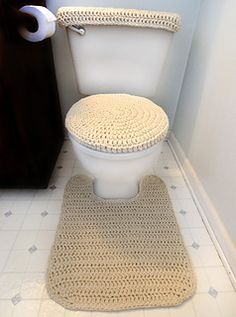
point(67, 16)
point(117, 123)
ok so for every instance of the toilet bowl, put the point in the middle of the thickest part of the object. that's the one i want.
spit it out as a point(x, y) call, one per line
point(118, 55)
point(117, 139)
point(116, 175)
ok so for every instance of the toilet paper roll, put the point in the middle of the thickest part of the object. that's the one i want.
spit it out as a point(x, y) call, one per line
point(46, 23)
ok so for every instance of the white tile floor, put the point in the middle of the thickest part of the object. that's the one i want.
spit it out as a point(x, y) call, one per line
point(28, 220)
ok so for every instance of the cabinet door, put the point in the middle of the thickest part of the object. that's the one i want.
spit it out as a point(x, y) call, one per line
point(31, 129)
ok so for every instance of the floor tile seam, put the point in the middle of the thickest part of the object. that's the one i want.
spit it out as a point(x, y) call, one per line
point(35, 213)
point(26, 266)
point(21, 227)
point(12, 248)
point(41, 305)
point(206, 266)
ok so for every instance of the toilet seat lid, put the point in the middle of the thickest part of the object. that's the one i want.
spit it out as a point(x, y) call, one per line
point(117, 123)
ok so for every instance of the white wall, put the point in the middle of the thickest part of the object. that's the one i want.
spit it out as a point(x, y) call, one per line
point(168, 92)
point(205, 123)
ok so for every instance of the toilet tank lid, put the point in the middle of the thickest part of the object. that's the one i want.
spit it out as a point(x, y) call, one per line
point(67, 16)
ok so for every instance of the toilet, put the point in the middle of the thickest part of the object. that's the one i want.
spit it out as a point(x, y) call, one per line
point(116, 130)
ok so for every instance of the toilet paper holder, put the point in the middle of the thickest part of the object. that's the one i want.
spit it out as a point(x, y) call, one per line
point(46, 24)
point(46, 21)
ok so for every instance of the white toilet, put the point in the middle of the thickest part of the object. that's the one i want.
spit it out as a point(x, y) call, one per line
point(118, 55)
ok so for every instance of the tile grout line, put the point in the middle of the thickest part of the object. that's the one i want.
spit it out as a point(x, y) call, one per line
point(18, 232)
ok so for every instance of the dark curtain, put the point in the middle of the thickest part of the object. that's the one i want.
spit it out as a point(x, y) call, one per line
point(31, 130)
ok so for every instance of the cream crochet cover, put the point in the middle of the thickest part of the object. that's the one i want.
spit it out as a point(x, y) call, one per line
point(118, 254)
point(117, 123)
point(67, 16)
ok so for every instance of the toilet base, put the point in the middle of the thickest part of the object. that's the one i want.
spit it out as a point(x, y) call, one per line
point(116, 176)
point(114, 190)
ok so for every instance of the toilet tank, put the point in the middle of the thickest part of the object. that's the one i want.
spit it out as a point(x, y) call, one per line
point(119, 57)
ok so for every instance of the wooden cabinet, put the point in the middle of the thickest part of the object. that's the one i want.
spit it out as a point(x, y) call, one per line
point(31, 129)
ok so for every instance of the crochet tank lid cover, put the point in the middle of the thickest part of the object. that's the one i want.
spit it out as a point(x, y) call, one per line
point(67, 16)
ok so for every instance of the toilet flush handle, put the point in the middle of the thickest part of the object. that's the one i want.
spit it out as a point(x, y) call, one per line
point(78, 29)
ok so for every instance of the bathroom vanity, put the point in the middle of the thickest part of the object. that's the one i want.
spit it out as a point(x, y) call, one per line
point(31, 130)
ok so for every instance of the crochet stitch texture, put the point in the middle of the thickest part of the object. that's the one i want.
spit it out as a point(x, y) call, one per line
point(118, 254)
point(67, 16)
point(117, 123)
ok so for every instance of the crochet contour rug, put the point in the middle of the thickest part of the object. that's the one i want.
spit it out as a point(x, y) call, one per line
point(118, 254)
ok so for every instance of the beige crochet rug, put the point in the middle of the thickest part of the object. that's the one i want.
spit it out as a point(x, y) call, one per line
point(114, 255)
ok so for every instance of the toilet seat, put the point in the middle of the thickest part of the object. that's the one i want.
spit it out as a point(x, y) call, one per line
point(117, 123)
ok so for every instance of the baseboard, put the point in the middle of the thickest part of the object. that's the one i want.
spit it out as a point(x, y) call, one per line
point(224, 245)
